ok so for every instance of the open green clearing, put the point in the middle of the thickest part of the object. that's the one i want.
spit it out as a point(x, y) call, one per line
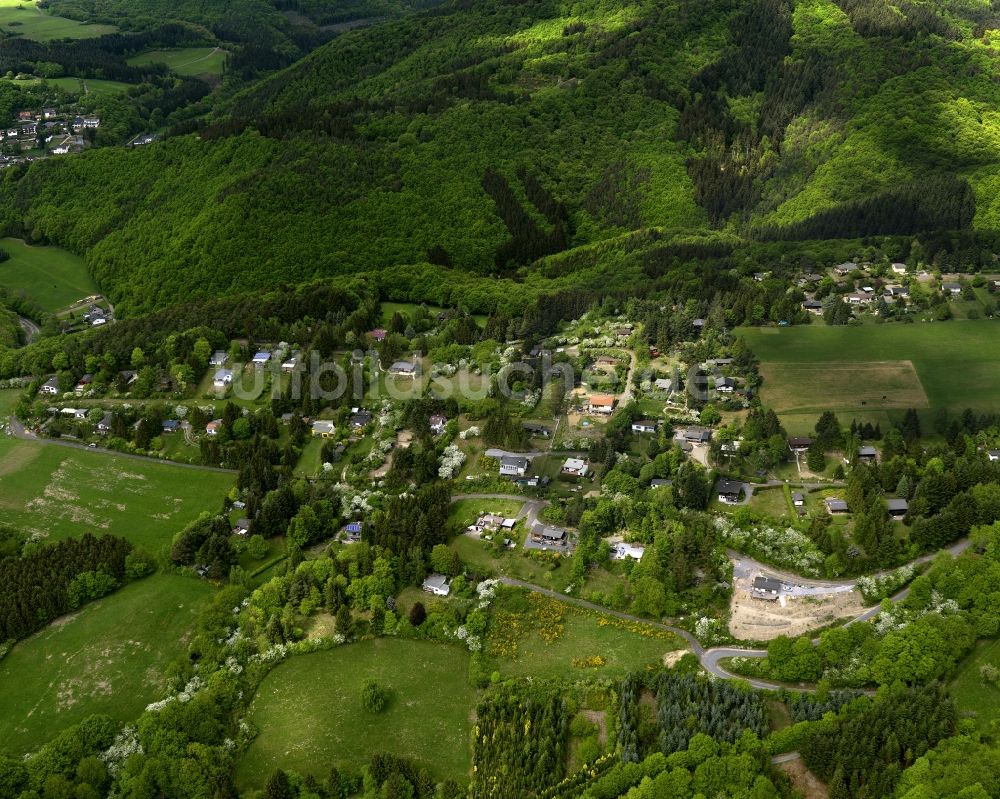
point(973, 695)
point(929, 365)
point(51, 276)
point(24, 18)
point(309, 712)
point(185, 60)
point(553, 638)
point(107, 658)
point(90, 85)
point(60, 492)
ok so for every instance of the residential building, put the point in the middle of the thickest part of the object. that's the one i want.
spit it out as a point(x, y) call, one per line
point(834, 505)
point(438, 423)
point(378, 334)
point(799, 444)
point(513, 465)
point(222, 378)
point(171, 425)
point(644, 426)
point(104, 426)
point(213, 427)
point(261, 359)
point(50, 386)
point(323, 429)
point(623, 550)
point(798, 500)
point(437, 584)
point(951, 288)
point(729, 491)
point(552, 536)
point(360, 418)
point(867, 453)
point(242, 527)
point(898, 269)
point(897, 507)
point(537, 430)
point(602, 404)
point(575, 467)
point(403, 369)
point(766, 588)
point(219, 358)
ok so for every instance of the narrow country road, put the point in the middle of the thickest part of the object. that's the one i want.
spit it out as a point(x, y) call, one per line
point(31, 330)
point(18, 431)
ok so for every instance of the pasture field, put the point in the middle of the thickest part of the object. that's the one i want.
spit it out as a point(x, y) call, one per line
point(51, 276)
point(25, 18)
point(90, 85)
point(309, 711)
point(109, 657)
point(926, 365)
point(532, 635)
point(60, 492)
point(973, 695)
point(185, 60)
point(465, 511)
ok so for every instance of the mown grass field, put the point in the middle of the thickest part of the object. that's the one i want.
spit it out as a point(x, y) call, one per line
point(90, 85)
point(109, 657)
point(50, 276)
point(24, 18)
point(929, 365)
point(973, 696)
point(61, 492)
point(185, 60)
point(309, 711)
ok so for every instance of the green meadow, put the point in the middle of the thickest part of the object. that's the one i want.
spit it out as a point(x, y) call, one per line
point(59, 492)
point(90, 85)
point(51, 276)
point(310, 716)
point(109, 657)
point(876, 371)
point(24, 18)
point(974, 696)
point(185, 60)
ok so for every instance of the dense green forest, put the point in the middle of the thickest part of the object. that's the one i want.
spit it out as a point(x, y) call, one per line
point(554, 146)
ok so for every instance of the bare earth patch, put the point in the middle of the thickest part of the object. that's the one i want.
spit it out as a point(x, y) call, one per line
point(758, 620)
point(670, 659)
point(803, 780)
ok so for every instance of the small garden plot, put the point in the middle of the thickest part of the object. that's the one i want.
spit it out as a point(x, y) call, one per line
point(310, 715)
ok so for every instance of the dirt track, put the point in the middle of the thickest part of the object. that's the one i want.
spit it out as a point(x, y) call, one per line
point(759, 620)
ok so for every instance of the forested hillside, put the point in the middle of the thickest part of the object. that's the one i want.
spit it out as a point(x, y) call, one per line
point(480, 136)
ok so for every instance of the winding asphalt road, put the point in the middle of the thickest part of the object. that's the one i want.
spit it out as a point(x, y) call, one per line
point(18, 431)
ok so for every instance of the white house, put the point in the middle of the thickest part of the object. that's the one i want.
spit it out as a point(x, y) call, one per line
point(899, 269)
point(644, 426)
point(437, 584)
point(438, 423)
point(222, 378)
point(513, 465)
point(213, 427)
point(602, 404)
point(575, 467)
point(403, 369)
point(260, 359)
point(219, 358)
point(323, 429)
point(50, 386)
point(623, 550)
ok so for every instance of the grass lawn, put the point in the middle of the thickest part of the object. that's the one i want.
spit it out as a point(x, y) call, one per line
point(465, 511)
point(107, 658)
point(973, 696)
point(531, 644)
point(924, 365)
point(50, 276)
point(478, 556)
point(770, 501)
point(185, 60)
point(309, 461)
point(62, 492)
point(309, 712)
point(90, 85)
point(24, 18)
point(8, 401)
